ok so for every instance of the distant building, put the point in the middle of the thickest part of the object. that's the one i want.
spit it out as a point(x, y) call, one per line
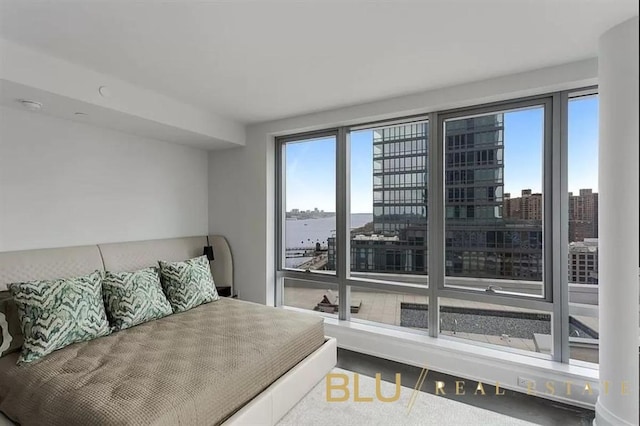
point(488, 234)
point(399, 204)
point(526, 207)
point(583, 215)
point(583, 261)
point(399, 177)
point(481, 241)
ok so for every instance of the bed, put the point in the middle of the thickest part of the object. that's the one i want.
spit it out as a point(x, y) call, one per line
point(225, 362)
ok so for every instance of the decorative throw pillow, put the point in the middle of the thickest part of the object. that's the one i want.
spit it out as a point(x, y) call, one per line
point(132, 298)
point(56, 313)
point(10, 333)
point(188, 284)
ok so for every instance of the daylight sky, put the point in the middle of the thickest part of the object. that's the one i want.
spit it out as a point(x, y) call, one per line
point(310, 165)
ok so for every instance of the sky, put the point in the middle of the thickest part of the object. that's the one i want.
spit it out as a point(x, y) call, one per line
point(311, 164)
point(583, 144)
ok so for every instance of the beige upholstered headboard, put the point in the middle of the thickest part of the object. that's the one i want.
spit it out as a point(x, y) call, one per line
point(134, 255)
point(28, 265)
point(47, 264)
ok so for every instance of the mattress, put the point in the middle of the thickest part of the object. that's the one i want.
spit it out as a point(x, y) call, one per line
point(197, 368)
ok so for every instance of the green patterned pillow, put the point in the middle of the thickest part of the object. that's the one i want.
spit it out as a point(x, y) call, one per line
point(132, 298)
point(57, 313)
point(10, 333)
point(188, 284)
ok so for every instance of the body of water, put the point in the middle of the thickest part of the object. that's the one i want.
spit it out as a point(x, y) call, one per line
point(308, 232)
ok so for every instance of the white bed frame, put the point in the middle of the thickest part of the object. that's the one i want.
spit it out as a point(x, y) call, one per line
point(274, 402)
point(268, 407)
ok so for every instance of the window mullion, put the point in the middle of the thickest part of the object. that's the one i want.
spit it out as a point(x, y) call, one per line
point(435, 220)
point(343, 223)
point(558, 216)
point(280, 218)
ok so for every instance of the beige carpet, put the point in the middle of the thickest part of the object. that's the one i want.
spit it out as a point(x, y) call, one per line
point(427, 409)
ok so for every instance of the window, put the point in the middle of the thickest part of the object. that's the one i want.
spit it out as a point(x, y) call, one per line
point(395, 308)
point(309, 211)
point(310, 202)
point(583, 226)
point(447, 224)
point(513, 329)
point(304, 294)
point(494, 237)
point(388, 231)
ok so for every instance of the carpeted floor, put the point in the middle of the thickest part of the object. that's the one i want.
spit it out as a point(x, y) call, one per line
point(314, 409)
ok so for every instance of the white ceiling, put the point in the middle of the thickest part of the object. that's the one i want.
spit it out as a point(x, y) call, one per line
point(261, 60)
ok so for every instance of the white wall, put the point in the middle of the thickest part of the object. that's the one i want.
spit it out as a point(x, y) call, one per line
point(241, 181)
point(241, 209)
point(64, 183)
point(618, 222)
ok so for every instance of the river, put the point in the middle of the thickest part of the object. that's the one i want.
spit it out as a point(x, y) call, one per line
point(308, 232)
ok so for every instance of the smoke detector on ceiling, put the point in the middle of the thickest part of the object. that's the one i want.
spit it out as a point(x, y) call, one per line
point(30, 105)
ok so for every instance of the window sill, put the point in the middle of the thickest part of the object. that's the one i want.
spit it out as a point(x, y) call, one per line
point(468, 360)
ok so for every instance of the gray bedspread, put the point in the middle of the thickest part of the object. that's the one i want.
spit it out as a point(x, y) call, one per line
point(192, 368)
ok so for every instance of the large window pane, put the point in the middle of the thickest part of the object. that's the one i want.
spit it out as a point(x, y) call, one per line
point(493, 201)
point(395, 308)
point(322, 297)
point(492, 324)
point(388, 203)
point(583, 227)
point(583, 332)
point(309, 203)
point(493, 189)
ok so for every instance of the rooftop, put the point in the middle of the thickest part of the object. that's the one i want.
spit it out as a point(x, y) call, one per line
point(385, 308)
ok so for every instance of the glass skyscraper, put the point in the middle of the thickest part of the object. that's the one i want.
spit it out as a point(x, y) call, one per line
point(479, 241)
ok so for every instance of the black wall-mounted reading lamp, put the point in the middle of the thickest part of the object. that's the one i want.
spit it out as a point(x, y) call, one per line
point(208, 250)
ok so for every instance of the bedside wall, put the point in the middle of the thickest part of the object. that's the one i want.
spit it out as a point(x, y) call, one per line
point(64, 183)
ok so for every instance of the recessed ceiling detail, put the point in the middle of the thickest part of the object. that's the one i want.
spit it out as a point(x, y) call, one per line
point(257, 61)
point(66, 88)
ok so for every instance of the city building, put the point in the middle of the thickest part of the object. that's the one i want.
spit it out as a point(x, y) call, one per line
point(480, 242)
point(583, 215)
point(397, 243)
point(526, 207)
point(583, 211)
point(400, 177)
point(583, 261)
